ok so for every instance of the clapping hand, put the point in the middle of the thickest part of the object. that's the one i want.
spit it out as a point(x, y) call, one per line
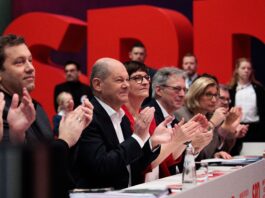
point(162, 134)
point(20, 116)
point(143, 121)
point(74, 122)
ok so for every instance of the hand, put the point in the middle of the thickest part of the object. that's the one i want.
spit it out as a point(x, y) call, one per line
point(218, 116)
point(184, 132)
point(241, 130)
point(231, 124)
point(20, 116)
point(233, 115)
point(201, 119)
point(143, 121)
point(2, 106)
point(162, 134)
point(222, 154)
point(72, 124)
point(201, 140)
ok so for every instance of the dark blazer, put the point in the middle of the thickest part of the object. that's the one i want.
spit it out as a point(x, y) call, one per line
point(102, 160)
point(159, 117)
point(168, 163)
point(39, 131)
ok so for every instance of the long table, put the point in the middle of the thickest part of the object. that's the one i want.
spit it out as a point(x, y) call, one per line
point(233, 182)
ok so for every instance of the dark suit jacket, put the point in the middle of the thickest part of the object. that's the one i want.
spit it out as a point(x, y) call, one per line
point(102, 160)
point(39, 131)
point(170, 162)
point(159, 117)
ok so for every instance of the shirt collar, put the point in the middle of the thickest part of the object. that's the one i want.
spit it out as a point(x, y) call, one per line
point(110, 111)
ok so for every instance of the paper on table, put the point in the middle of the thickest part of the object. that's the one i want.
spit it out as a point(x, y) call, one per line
point(135, 193)
point(235, 160)
point(110, 195)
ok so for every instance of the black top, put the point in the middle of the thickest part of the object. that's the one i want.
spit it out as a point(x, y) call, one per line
point(39, 131)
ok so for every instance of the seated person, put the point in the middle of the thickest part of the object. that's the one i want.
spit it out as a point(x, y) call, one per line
point(110, 154)
point(65, 104)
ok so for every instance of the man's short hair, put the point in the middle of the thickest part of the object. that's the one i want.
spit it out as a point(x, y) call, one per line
point(138, 44)
point(189, 54)
point(161, 77)
point(71, 62)
point(99, 70)
point(8, 41)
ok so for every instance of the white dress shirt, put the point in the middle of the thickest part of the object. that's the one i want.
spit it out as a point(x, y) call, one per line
point(116, 118)
point(246, 99)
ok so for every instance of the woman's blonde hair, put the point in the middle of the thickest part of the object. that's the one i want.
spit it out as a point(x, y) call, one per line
point(196, 90)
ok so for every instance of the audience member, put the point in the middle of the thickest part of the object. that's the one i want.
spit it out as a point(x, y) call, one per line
point(24, 120)
point(248, 94)
point(237, 130)
point(110, 154)
point(138, 91)
point(65, 104)
point(202, 97)
point(168, 96)
point(138, 53)
point(72, 85)
point(17, 75)
point(189, 65)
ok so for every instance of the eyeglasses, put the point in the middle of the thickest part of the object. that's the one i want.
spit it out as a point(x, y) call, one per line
point(224, 99)
point(139, 79)
point(211, 95)
point(177, 89)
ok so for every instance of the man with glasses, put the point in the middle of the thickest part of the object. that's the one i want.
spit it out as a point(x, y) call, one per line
point(233, 144)
point(77, 89)
point(224, 98)
point(168, 96)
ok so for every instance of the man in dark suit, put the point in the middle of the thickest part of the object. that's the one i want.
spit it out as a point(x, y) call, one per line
point(23, 121)
point(169, 89)
point(17, 75)
point(110, 154)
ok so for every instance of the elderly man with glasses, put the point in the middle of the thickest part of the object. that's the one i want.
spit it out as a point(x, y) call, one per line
point(168, 94)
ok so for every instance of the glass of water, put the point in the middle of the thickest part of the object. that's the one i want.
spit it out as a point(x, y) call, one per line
point(202, 172)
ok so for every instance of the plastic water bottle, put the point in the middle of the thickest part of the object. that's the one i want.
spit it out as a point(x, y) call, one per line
point(189, 169)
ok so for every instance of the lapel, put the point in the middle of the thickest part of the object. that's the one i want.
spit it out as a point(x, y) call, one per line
point(126, 127)
point(158, 112)
point(104, 122)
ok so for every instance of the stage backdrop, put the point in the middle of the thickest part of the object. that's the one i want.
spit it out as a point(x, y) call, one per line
point(216, 31)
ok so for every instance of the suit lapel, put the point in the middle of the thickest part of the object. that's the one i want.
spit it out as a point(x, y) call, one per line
point(126, 127)
point(158, 113)
point(104, 121)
